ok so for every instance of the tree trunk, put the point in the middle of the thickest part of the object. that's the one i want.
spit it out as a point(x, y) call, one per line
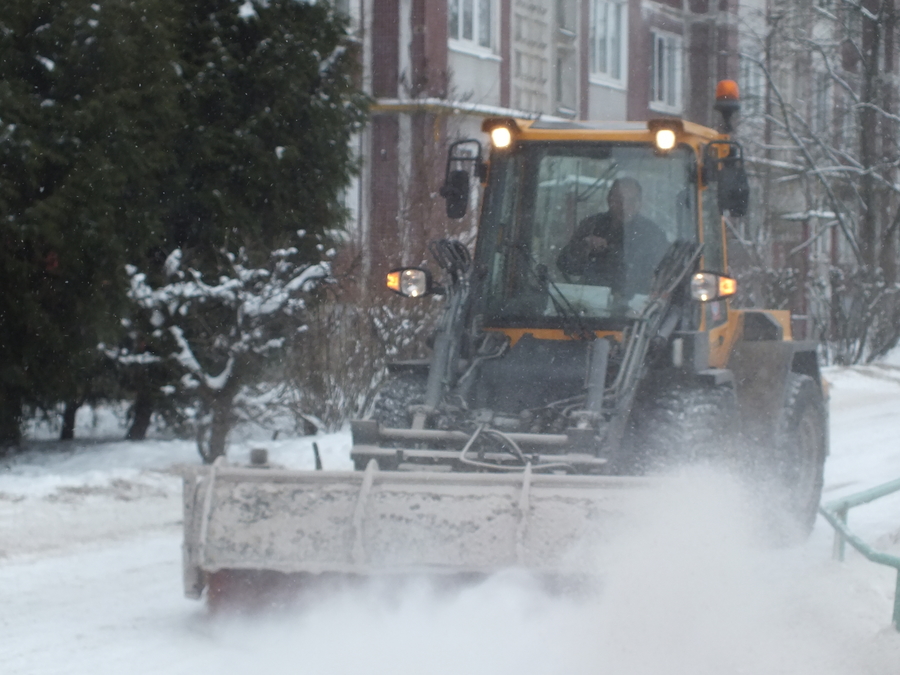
point(868, 136)
point(142, 411)
point(212, 439)
point(68, 427)
point(10, 419)
point(218, 433)
point(888, 259)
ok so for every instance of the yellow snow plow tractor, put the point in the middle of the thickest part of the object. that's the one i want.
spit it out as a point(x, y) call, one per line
point(587, 346)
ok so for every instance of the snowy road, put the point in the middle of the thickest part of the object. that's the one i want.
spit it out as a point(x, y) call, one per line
point(90, 581)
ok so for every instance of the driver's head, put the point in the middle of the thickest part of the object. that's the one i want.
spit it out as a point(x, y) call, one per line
point(624, 199)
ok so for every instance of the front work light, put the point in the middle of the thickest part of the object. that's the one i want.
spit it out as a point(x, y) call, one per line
point(412, 282)
point(501, 137)
point(706, 286)
point(665, 139)
point(502, 131)
point(665, 132)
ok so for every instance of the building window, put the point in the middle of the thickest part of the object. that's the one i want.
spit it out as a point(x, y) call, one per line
point(823, 104)
point(566, 82)
point(665, 72)
point(471, 22)
point(607, 40)
point(565, 15)
point(753, 87)
point(845, 113)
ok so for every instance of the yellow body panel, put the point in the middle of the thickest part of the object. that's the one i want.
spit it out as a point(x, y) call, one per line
point(782, 316)
point(516, 334)
point(723, 338)
point(694, 135)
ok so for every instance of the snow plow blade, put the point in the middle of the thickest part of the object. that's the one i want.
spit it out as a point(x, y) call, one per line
point(366, 523)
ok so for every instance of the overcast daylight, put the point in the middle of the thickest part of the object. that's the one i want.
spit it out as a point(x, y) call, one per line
point(441, 336)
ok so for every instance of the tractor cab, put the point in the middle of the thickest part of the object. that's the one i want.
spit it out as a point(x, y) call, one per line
point(573, 230)
point(577, 216)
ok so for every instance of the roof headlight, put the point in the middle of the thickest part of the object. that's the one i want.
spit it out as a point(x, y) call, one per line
point(501, 130)
point(665, 139)
point(665, 132)
point(501, 137)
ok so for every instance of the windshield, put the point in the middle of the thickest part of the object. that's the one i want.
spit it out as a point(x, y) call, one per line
point(578, 229)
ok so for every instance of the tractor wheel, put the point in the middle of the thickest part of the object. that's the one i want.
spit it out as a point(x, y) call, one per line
point(796, 462)
point(396, 394)
point(674, 423)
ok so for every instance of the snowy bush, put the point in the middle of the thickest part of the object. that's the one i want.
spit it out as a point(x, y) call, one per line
point(218, 335)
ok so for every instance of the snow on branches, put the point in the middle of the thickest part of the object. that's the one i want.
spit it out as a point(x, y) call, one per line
point(212, 325)
point(196, 342)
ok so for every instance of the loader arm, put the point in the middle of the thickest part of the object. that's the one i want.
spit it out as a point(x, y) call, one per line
point(679, 261)
point(454, 258)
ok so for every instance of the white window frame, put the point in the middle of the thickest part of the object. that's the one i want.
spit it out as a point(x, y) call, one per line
point(666, 83)
point(600, 65)
point(473, 45)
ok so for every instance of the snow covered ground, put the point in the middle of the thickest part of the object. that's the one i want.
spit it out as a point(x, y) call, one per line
point(90, 577)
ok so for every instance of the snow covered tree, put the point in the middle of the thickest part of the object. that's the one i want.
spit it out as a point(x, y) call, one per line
point(219, 334)
point(270, 92)
point(130, 128)
point(821, 124)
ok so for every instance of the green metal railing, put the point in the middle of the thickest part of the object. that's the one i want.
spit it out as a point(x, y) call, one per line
point(836, 513)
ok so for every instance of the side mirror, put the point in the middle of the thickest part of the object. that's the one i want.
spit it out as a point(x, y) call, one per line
point(729, 172)
point(734, 188)
point(456, 179)
point(456, 192)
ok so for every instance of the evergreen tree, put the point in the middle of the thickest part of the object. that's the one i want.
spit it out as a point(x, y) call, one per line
point(270, 93)
point(88, 112)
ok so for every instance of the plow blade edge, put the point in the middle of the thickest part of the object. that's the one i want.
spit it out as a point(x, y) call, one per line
point(390, 522)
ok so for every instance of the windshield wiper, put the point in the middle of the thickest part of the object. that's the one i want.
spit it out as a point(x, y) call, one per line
point(573, 326)
point(593, 187)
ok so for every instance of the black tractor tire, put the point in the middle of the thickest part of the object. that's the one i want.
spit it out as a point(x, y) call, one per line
point(398, 391)
point(676, 423)
point(795, 465)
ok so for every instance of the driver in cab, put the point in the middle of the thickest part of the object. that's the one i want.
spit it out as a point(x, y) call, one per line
point(619, 248)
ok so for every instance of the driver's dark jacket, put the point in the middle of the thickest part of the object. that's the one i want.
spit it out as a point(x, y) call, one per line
point(626, 264)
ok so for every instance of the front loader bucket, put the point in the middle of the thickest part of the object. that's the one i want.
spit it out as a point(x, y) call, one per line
point(392, 522)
